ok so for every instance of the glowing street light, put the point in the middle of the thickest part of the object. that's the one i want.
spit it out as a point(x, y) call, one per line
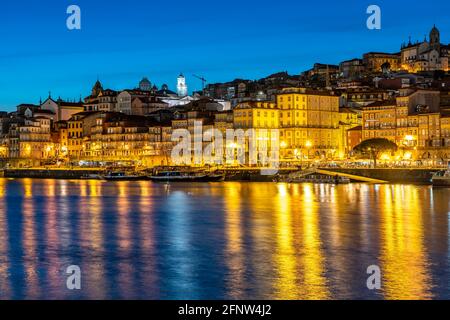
point(308, 144)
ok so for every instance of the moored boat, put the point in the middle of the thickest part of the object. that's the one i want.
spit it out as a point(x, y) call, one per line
point(313, 178)
point(92, 177)
point(441, 178)
point(178, 176)
point(122, 176)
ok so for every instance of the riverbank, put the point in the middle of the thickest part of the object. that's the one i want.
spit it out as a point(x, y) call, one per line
point(50, 173)
point(253, 175)
point(410, 176)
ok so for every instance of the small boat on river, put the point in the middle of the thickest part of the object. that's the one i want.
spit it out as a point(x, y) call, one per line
point(441, 178)
point(179, 176)
point(122, 176)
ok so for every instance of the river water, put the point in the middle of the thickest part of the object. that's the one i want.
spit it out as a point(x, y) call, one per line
point(140, 240)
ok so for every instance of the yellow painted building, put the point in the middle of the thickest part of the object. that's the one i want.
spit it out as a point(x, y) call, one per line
point(75, 136)
point(309, 122)
point(445, 130)
point(379, 121)
point(264, 118)
point(256, 115)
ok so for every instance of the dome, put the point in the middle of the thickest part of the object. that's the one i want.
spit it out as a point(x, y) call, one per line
point(145, 84)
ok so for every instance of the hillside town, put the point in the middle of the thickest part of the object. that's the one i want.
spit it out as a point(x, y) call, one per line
point(322, 114)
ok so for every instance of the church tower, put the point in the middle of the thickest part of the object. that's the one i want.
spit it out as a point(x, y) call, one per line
point(435, 38)
point(96, 89)
point(182, 89)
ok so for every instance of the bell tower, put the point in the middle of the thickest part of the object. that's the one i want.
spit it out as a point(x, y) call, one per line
point(435, 38)
point(182, 89)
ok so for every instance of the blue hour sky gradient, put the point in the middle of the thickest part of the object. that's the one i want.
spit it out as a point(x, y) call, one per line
point(123, 41)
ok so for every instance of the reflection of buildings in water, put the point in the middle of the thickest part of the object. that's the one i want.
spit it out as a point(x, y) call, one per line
point(313, 259)
point(298, 257)
point(257, 206)
point(124, 233)
point(148, 256)
point(285, 258)
point(92, 232)
point(50, 216)
point(275, 237)
point(346, 226)
point(235, 258)
point(31, 284)
point(5, 289)
point(405, 268)
point(182, 279)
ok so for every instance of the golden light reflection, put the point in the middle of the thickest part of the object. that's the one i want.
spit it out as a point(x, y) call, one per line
point(29, 241)
point(313, 259)
point(146, 218)
point(93, 225)
point(51, 230)
point(124, 235)
point(286, 284)
point(28, 188)
point(234, 246)
point(2, 188)
point(147, 231)
point(95, 216)
point(404, 261)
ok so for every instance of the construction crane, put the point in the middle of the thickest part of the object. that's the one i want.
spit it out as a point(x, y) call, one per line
point(203, 80)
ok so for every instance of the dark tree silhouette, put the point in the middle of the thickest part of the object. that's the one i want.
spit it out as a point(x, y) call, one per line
point(374, 147)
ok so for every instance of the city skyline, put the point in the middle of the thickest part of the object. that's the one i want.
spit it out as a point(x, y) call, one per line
point(55, 66)
point(226, 151)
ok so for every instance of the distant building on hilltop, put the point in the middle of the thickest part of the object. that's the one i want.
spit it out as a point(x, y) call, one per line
point(425, 56)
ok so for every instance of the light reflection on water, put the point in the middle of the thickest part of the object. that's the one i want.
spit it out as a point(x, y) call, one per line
point(222, 241)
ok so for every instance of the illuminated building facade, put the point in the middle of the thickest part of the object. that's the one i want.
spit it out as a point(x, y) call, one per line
point(30, 142)
point(309, 122)
point(410, 123)
point(377, 62)
point(425, 56)
point(75, 135)
point(262, 118)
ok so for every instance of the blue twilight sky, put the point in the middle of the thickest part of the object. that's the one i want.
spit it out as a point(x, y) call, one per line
point(122, 41)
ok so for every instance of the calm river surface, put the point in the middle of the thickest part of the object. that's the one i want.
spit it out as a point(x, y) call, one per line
point(140, 240)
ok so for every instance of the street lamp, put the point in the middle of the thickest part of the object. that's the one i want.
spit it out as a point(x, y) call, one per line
point(409, 138)
point(308, 146)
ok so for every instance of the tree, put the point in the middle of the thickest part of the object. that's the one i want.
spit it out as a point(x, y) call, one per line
point(374, 147)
